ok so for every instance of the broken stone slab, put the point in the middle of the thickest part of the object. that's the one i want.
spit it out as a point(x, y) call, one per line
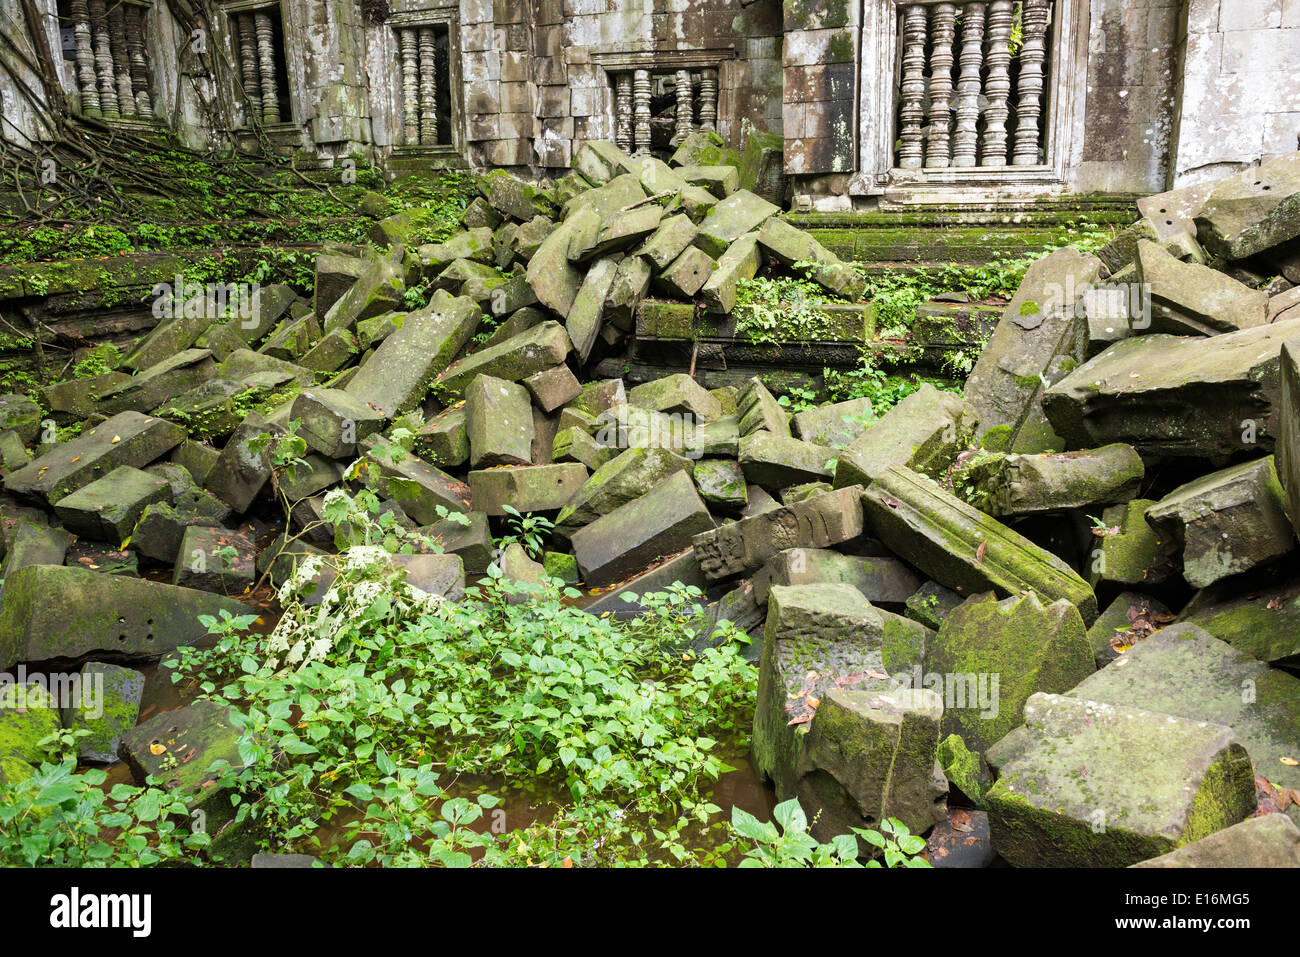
point(1262, 622)
point(615, 234)
point(624, 600)
point(397, 376)
point(882, 581)
point(22, 415)
point(994, 655)
point(334, 421)
point(720, 437)
point(1287, 456)
point(575, 445)
point(721, 181)
point(533, 350)
point(961, 547)
point(819, 522)
point(467, 279)
point(667, 242)
point(1130, 618)
point(1183, 671)
point(835, 425)
point(552, 388)
point(216, 560)
point(797, 493)
point(1194, 779)
point(160, 382)
point(600, 396)
point(599, 161)
point(617, 196)
point(759, 410)
point(1226, 522)
point(472, 542)
point(740, 262)
point(536, 488)
point(335, 275)
point(80, 397)
point(59, 612)
point(107, 509)
point(499, 423)
point(1049, 482)
point(584, 317)
point(790, 246)
point(331, 352)
point(161, 526)
point(721, 484)
point(178, 748)
point(240, 473)
point(30, 544)
point(128, 438)
point(685, 275)
point(444, 440)
point(1271, 840)
point(244, 363)
point(774, 462)
point(28, 714)
point(378, 289)
point(518, 569)
point(414, 484)
point(923, 432)
point(1169, 395)
point(631, 284)
point(442, 575)
point(1252, 211)
point(555, 281)
point(527, 238)
point(513, 197)
point(1039, 330)
point(1129, 551)
point(474, 245)
point(633, 536)
point(628, 476)
point(108, 706)
point(292, 339)
point(741, 212)
point(1190, 299)
point(678, 393)
point(931, 603)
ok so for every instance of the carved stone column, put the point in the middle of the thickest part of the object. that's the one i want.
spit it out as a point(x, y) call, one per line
point(912, 89)
point(709, 99)
point(135, 49)
point(266, 65)
point(623, 112)
point(1030, 85)
point(428, 88)
point(121, 60)
point(248, 66)
point(998, 86)
point(410, 87)
point(86, 82)
point(942, 32)
point(641, 110)
point(966, 138)
point(103, 60)
point(685, 107)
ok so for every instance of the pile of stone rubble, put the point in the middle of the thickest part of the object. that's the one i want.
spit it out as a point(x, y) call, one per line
point(1068, 598)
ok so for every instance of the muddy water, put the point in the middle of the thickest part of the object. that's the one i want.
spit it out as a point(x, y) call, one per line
point(740, 787)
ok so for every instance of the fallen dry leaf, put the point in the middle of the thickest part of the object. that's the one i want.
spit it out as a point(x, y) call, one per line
point(979, 552)
point(157, 749)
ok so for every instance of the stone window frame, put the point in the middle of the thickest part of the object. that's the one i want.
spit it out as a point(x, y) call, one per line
point(1065, 88)
point(67, 69)
point(660, 62)
point(229, 9)
point(448, 17)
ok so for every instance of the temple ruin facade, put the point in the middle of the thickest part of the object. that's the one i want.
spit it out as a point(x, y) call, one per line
point(874, 102)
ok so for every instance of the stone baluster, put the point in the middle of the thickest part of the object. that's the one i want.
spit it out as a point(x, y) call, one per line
point(943, 31)
point(86, 82)
point(139, 63)
point(266, 64)
point(623, 108)
point(912, 88)
point(641, 111)
point(121, 59)
point(966, 138)
point(709, 99)
point(103, 60)
point(685, 107)
point(1030, 86)
point(410, 87)
point(248, 69)
point(997, 87)
point(428, 88)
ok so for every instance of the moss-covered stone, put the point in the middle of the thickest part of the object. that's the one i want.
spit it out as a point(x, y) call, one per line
point(27, 715)
point(108, 706)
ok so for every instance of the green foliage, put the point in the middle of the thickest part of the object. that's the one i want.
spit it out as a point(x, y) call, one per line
point(102, 358)
point(790, 844)
point(775, 309)
point(884, 390)
point(898, 844)
point(529, 531)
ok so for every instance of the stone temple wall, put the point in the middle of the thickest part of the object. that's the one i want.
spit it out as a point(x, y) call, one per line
point(1042, 98)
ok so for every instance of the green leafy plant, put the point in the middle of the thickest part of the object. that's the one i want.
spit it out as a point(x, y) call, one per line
point(530, 531)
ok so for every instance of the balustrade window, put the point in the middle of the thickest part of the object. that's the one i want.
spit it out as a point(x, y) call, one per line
point(426, 83)
point(258, 35)
point(691, 95)
point(107, 43)
point(971, 83)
